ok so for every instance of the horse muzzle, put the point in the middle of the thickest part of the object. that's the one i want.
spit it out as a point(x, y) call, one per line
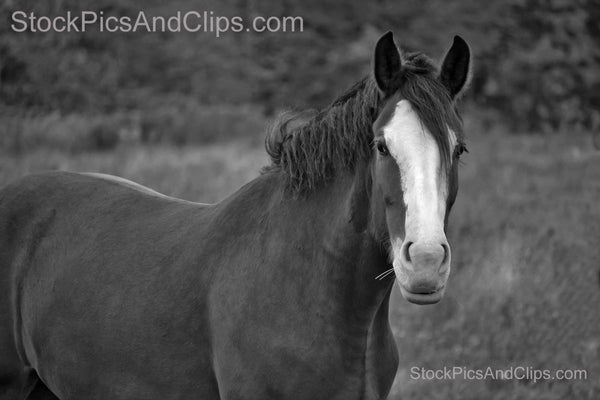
point(422, 270)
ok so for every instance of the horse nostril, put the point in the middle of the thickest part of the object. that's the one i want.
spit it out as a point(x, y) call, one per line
point(407, 251)
point(446, 253)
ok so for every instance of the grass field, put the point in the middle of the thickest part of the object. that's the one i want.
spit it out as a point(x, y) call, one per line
point(525, 234)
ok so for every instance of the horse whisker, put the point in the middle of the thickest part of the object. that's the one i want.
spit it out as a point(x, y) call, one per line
point(385, 273)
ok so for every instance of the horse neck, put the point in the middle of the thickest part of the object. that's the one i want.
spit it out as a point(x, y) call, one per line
point(332, 252)
point(354, 254)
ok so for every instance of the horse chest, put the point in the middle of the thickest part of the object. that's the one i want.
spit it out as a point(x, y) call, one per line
point(303, 363)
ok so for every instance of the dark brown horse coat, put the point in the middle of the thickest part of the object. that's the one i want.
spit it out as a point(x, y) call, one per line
point(111, 291)
point(120, 294)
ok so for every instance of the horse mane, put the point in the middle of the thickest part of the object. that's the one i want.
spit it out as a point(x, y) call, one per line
point(310, 147)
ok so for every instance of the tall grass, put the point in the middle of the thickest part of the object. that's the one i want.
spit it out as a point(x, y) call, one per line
point(171, 121)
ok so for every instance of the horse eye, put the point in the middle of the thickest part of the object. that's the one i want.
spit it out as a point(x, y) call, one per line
point(382, 149)
point(460, 149)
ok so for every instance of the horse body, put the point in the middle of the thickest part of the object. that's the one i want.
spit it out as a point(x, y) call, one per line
point(153, 281)
point(109, 290)
point(84, 257)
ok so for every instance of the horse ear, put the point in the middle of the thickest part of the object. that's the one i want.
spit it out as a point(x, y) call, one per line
point(387, 62)
point(455, 73)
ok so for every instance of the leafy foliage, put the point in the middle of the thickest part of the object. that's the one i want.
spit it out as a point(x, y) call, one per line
point(537, 62)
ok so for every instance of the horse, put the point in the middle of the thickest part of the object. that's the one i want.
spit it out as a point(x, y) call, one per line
point(109, 290)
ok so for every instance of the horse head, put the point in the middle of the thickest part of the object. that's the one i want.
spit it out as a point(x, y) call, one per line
point(417, 143)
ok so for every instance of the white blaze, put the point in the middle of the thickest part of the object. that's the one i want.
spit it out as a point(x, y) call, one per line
point(425, 188)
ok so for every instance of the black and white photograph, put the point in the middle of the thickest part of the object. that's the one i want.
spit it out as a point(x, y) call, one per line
point(299, 200)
